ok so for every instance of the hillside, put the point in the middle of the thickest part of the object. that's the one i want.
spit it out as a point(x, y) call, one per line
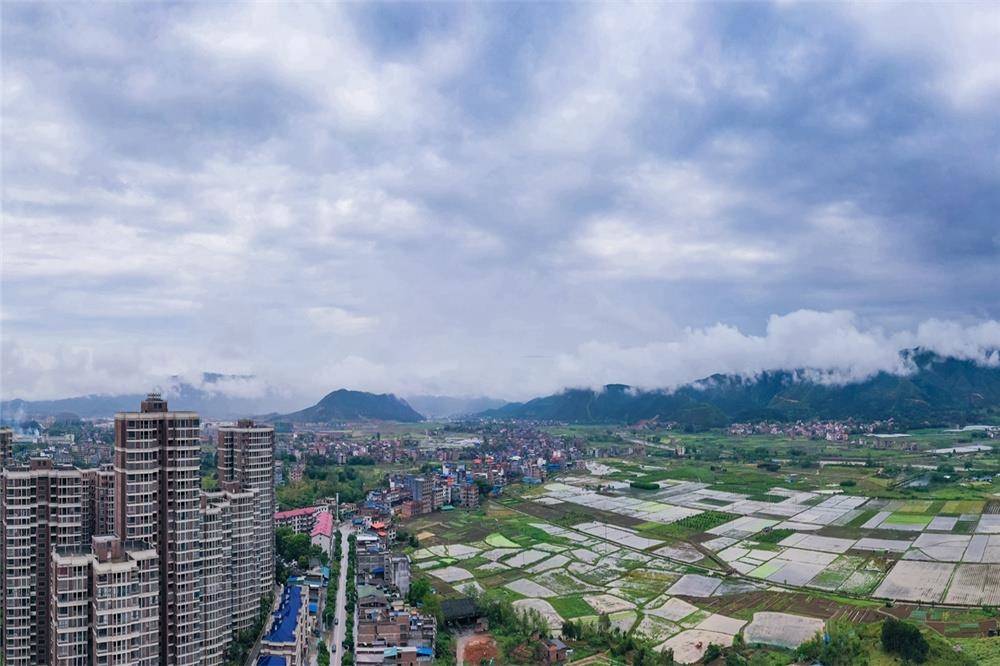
point(343, 405)
point(939, 391)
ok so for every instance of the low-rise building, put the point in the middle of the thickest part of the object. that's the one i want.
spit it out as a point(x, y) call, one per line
point(288, 634)
point(393, 633)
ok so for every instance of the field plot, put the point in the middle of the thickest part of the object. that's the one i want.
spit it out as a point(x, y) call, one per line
point(781, 629)
point(451, 574)
point(975, 584)
point(846, 568)
point(626, 506)
point(910, 522)
point(607, 603)
point(680, 551)
point(958, 507)
point(673, 609)
point(942, 523)
point(830, 510)
point(742, 528)
point(656, 628)
point(524, 558)
point(912, 580)
point(617, 534)
point(690, 646)
point(787, 572)
point(939, 547)
point(529, 588)
point(816, 542)
point(695, 585)
point(989, 524)
point(722, 624)
point(498, 540)
point(543, 607)
point(887, 545)
point(983, 548)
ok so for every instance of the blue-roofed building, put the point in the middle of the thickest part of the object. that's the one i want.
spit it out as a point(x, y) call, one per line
point(287, 635)
point(271, 660)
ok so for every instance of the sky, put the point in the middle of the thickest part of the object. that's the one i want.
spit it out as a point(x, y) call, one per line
point(493, 199)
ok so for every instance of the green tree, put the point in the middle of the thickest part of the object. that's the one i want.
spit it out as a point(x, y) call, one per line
point(904, 639)
point(840, 646)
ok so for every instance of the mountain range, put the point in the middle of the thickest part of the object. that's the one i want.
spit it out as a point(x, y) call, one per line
point(939, 390)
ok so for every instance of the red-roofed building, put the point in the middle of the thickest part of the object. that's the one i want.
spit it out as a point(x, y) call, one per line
point(322, 531)
point(301, 520)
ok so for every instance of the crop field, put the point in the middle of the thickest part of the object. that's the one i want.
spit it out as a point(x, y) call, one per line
point(711, 552)
point(830, 540)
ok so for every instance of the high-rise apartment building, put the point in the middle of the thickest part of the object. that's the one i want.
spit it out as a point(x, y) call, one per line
point(99, 504)
point(104, 605)
point(216, 582)
point(42, 509)
point(6, 447)
point(157, 501)
point(133, 563)
point(243, 564)
point(245, 455)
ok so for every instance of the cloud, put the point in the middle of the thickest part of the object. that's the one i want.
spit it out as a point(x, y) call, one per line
point(489, 198)
point(962, 44)
point(834, 347)
point(338, 320)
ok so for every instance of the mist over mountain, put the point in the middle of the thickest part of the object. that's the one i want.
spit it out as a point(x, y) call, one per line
point(344, 405)
point(939, 390)
point(215, 396)
point(443, 406)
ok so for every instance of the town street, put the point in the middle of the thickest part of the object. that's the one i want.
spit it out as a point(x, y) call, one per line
point(335, 637)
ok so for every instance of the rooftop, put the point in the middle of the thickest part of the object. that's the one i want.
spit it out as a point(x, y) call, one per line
point(271, 660)
point(324, 525)
point(292, 513)
point(286, 618)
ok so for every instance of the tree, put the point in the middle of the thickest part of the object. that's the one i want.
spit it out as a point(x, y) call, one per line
point(420, 590)
point(905, 640)
point(735, 659)
point(840, 646)
point(712, 653)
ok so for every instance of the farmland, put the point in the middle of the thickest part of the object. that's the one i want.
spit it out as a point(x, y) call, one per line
point(707, 552)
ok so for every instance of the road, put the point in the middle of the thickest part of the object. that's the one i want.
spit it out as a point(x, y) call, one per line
point(335, 637)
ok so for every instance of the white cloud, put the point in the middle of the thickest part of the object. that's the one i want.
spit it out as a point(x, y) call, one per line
point(339, 321)
point(962, 41)
point(834, 345)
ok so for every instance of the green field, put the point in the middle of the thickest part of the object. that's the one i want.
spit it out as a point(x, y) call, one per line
point(571, 607)
point(498, 540)
point(908, 519)
point(957, 507)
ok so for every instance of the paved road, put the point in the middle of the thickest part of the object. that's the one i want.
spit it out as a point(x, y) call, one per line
point(335, 637)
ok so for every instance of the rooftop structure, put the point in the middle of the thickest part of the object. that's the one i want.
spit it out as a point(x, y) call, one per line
point(287, 636)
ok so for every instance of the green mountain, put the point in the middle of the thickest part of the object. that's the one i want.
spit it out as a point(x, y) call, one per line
point(343, 405)
point(938, 391)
